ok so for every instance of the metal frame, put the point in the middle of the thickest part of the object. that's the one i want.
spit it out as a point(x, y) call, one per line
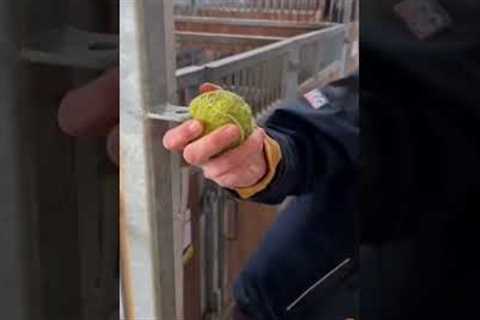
point(71, 47)
point(152, 186)
point(293, 10)
point(150, 175)
point(245, 71)
point(152, 179)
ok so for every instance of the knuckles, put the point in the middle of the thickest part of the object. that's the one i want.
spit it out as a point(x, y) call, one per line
point(190, 155)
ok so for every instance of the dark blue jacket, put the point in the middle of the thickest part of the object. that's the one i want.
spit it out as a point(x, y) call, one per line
point(420, 180)
point(316, 232)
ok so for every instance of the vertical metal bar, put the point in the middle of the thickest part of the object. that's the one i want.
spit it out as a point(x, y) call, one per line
point(245, 84)
point(341, 10)
point(289, 9)
point(213, 209)
point(271, 83)
point(232, 82)
point(150, 187)
point(331, 7)
point(257, 87)
point(290, 78)
point(279, 77)
point(220, 221)
point(316, 63)
point(228, 83)
point(250, 85)
point(265, 77)
point(239, 79)
point(13, 231)
point(238, 82)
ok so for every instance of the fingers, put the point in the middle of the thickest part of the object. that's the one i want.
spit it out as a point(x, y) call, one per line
point(93, 109)
point(207, 87)
point(235, 158)
point(179, 137)
point(212, 144)
point(246, 175)
point(113, 145)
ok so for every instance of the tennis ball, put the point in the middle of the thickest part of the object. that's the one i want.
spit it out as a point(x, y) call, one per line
point(218, 108)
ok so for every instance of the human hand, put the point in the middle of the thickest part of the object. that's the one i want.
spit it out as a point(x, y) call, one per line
point(93, 110)
point(240, 167)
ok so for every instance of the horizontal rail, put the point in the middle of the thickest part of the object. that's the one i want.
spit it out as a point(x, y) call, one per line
point(242, 60)
point(72, 47)
point(207, 38)
point(343, 11)
point(269, 74)
point(196, 74)
point(260, 23)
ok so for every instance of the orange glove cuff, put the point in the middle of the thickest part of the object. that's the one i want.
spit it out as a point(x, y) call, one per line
point(273, 155)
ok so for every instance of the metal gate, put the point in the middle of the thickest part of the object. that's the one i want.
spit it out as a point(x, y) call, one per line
point(158, 192)
point(340, 11)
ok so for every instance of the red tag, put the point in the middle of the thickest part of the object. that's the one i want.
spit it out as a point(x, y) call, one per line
point(316, 98)
point(425, 18)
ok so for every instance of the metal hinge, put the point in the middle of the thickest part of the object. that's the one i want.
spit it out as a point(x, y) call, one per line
point(71, 47)
point(172, 113)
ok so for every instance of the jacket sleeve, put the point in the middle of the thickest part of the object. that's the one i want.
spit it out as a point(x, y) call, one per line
point(315, 143)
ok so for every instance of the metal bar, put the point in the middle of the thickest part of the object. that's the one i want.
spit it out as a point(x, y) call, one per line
point(347, 11)
point(250, 85)
point(72, 47)
point(231, 39)
point(225, 66)
point(150, 176)
point(290, 80)
point(13, 229)
point(220, 221)
point(262, 86)
point(253, 22)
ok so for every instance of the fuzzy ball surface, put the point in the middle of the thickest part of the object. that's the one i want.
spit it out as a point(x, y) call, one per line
point(218, 108)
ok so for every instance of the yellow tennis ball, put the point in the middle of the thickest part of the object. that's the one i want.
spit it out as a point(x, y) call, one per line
point(218, 108)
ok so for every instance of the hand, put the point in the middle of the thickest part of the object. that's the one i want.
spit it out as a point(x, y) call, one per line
point(241, 167)
point(93, 110)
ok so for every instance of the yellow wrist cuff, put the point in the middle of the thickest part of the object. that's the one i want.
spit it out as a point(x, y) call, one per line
point(273, 155)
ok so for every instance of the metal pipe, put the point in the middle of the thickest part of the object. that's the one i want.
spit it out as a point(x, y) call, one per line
point(150, 175)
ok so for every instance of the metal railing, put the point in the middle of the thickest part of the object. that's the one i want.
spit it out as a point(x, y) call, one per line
point(154, 183)
point(269, 74)
point(296, 10)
